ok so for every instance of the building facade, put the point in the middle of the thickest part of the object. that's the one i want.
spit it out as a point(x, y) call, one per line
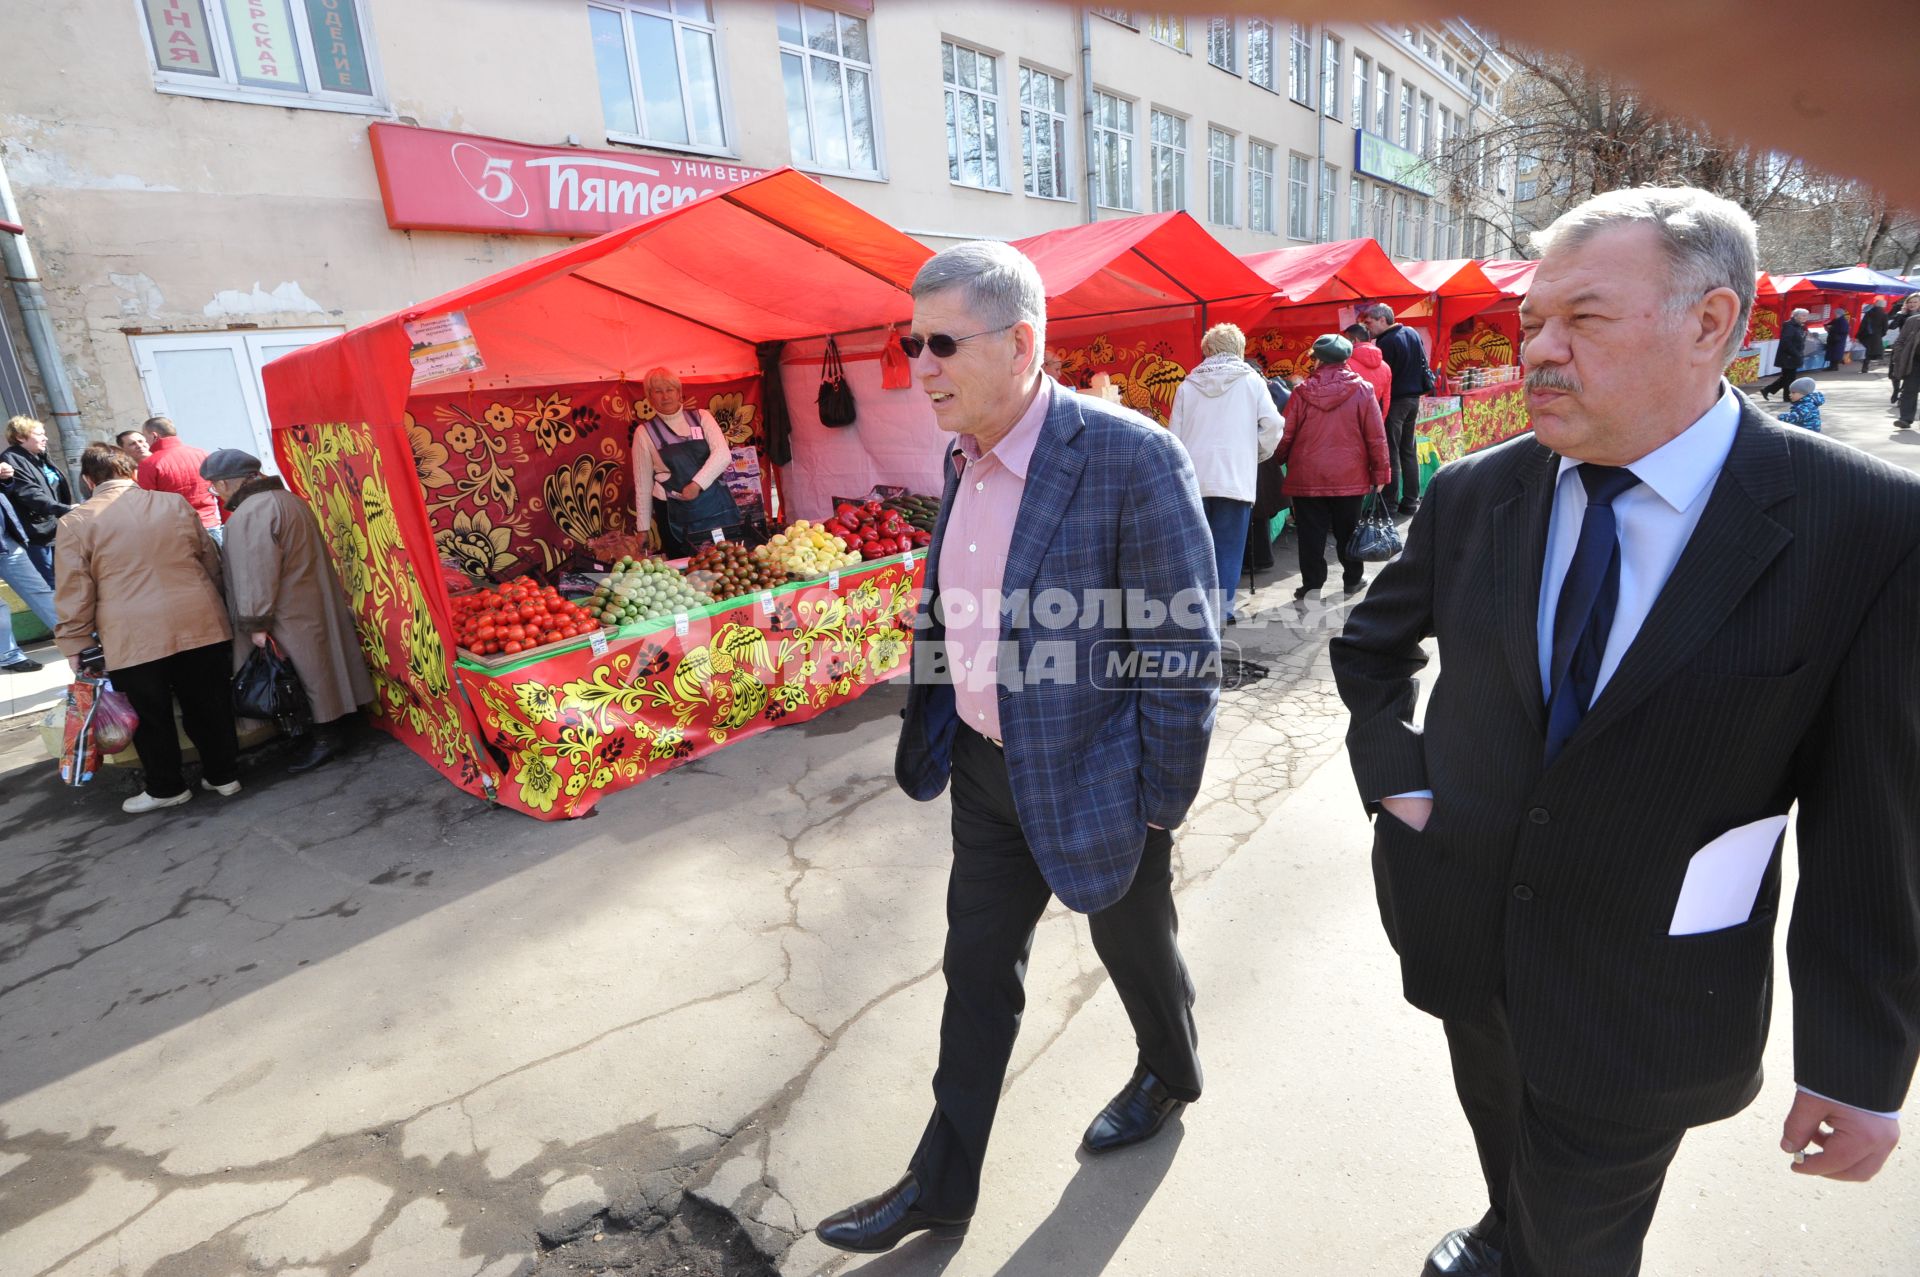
point(207, 183)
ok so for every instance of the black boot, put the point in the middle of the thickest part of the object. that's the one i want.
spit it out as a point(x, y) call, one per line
point(323, 743)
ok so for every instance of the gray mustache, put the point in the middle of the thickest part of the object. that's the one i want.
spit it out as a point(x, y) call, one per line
point(1546, 378)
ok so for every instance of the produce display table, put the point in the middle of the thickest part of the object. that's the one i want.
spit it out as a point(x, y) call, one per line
point(1451, 426)
point(578, 722)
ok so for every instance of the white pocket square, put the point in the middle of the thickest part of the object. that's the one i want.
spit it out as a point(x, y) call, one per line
point(1723, 878)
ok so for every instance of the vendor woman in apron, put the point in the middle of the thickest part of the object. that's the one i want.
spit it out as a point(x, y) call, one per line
point(687, 453)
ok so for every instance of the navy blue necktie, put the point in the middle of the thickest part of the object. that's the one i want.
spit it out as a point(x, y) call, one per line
point(1584, 616)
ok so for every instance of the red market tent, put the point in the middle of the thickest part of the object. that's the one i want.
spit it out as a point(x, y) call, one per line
point(1316, 288)
point(515, 465)
point(1131, 298)
point(1512, 276)
point(1461, 291)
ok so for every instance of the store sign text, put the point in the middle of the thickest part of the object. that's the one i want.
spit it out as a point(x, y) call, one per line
point(1377, 157)
point(179, 31)
point(431, 180)
point(263, 44)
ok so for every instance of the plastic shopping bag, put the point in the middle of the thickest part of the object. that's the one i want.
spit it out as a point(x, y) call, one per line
point(79, 743)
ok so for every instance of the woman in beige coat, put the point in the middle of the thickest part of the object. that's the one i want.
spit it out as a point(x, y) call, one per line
point(280, 583)
point(136, 573)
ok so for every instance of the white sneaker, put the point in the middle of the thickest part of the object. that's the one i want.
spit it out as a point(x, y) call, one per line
point(144, 802)
point(227, 790)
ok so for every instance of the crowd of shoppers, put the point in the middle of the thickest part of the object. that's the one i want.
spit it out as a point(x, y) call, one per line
point(133, 584)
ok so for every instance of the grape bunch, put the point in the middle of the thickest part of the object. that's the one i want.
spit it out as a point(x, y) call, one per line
point(643, 590)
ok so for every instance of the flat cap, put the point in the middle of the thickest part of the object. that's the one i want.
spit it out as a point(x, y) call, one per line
point(229, 463)
point(1333, 349)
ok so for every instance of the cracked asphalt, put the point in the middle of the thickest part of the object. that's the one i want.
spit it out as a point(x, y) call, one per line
point(359, 1023)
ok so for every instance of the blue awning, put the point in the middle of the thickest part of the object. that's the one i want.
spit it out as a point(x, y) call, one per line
point(1859, 279)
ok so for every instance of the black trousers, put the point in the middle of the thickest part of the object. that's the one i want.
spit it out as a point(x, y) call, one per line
point(1779, 384)
point(995, 897)
point(200, 678)
point(1909, 399)
point(1313, 518)
point(1571, 1195)
point(1403, 447)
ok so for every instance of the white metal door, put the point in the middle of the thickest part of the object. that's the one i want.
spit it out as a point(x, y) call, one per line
point(209, 383)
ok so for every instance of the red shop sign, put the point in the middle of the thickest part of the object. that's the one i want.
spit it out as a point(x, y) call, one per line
point(435, 181)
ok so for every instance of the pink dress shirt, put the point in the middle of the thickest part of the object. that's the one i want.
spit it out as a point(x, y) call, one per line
point(973, 559)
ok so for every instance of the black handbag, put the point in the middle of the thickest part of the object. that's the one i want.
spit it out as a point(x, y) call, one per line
point(267, 688)
point(1375, 539)
point(836, 396)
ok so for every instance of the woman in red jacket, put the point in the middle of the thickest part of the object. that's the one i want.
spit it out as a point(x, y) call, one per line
point(1335, 450)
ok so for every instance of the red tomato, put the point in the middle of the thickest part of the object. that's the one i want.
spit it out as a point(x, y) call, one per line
point(510, 648)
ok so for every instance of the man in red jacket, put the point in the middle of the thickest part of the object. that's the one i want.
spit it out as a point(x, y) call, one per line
point(174, 466)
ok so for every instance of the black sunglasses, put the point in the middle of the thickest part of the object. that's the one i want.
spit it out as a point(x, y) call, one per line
point(942, 346)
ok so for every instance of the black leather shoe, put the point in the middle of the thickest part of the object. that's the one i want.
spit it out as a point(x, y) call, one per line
point(1137, 1113)
point(1408, 507)
point(25, 665)
point(323, 745)
point(883, 1222)
point(1463, 1253)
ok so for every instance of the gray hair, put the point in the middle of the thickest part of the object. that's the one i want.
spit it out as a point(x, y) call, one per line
point(1710, 242)
point(1377, 310)
point(1000, 283)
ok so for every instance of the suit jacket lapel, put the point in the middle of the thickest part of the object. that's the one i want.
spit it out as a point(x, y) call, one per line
point(1052, 475)
point(1735, 541)
point(1520, 533)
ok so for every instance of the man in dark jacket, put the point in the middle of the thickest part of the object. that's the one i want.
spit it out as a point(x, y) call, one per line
point(40, 492)
point(1872, 334)
point(1668, 622)
point(1839, 337)
point(1793, 348)
point(1407, 358)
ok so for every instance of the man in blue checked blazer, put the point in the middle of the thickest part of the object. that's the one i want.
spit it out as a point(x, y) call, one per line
point(1066, 676)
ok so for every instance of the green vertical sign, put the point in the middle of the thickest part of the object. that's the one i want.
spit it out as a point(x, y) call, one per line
point(338, 49)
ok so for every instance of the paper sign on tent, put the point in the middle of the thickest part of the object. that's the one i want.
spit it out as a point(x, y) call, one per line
point(1723, 878)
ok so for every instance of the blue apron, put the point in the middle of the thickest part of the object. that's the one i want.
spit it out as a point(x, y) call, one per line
point(714, 508)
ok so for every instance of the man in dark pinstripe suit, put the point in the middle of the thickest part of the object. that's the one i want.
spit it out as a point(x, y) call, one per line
point(1662, 621)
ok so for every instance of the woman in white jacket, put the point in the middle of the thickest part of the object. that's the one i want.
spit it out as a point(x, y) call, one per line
point(1226, 419)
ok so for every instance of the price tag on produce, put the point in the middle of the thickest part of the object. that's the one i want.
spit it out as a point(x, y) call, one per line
point(833, 579)
point(766, 602)
point(598, 642)
point(680, 624)
point(717, 538)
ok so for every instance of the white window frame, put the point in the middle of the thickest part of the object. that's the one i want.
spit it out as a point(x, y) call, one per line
point(1265, 29)
point(1383, 101)
point(806, 53)
point(1261, 188)
point(984, 102)
point(225, 86)
point(1114, 13)
point(1221, 45)
point(1356, 207)
point(1179, 152)
point(249, 349)
point(1362, 88)
point(1299, 215)
point(1332, 56)
point(1526, 190)
point(1418, 205)
point(1169, 29)
point(664, 9)
point(1426, 126)
point(1328, 202)
point(1124, 152)
point(1443, 232)
point(1299, 64)
point(1400, 226)
point(1221, 178)
point(1408, 98)
point(1058, 123)
point(1382, 226)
